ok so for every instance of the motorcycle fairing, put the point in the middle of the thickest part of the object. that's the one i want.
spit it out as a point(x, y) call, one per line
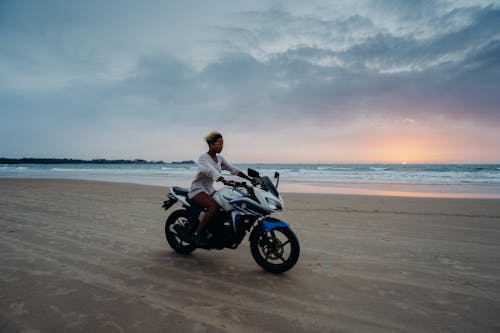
point(249, 206)
point(269, 223)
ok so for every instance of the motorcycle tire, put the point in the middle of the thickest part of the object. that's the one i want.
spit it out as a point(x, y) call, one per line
point(275, 251)
point(180, 245)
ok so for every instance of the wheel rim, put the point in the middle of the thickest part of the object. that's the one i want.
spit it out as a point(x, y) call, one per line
point(182, 221)
point(275, 247)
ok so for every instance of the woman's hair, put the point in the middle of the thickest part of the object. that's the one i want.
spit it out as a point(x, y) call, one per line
point(213, 137)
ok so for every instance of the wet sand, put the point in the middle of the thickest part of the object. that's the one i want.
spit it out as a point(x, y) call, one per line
point(80, 256)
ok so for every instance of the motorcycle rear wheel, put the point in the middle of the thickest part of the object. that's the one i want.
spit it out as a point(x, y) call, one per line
point(177, 243)
point(276, 251)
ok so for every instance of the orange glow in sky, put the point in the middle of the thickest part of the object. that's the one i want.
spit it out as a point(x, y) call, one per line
point(389, 142)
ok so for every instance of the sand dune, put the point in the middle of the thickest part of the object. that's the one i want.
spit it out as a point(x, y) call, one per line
point(78, 256)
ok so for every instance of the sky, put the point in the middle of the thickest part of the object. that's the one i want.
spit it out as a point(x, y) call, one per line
point(284, 81)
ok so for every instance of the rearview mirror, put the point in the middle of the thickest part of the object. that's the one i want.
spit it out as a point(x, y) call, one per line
point(252, 173)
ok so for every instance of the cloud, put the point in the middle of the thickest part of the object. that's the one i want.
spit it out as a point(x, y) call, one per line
point(380, 70)
point(112, 69)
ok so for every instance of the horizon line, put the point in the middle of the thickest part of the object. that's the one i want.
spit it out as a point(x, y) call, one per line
point(145, 161)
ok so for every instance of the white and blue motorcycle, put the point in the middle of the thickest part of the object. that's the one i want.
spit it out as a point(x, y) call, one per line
point(243, 208)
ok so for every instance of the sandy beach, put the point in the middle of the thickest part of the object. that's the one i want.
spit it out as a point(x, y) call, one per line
point(82, 256)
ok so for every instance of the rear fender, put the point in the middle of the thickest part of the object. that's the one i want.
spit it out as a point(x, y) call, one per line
point(171, 200)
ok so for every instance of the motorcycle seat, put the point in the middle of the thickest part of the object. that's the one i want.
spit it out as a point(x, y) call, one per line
point(180, 191)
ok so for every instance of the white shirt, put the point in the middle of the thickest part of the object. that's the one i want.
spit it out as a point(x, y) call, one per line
point(208, 172)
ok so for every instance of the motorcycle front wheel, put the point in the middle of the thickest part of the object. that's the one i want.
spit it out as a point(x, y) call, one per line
point(276, 251)
point(177, 242)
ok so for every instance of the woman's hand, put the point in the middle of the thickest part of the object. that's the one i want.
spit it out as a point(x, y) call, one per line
point(229, 182)
point(226, 182)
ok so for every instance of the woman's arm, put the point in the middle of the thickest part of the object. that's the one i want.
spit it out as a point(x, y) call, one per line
point(206, 167)
point(235, 171)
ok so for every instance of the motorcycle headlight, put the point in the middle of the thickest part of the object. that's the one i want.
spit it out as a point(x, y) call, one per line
point(274, 204)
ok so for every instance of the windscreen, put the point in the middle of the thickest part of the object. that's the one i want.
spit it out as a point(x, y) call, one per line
point(270, 186)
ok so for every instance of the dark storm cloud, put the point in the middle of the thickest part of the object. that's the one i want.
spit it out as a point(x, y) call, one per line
point(451, 72)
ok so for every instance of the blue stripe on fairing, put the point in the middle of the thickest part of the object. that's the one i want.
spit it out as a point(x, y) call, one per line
point(270, 224)
point(250, 207)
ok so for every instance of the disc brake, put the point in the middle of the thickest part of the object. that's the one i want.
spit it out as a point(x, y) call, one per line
point(272, 247)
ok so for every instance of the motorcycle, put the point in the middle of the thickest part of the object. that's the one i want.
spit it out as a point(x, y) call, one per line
point(243, 208)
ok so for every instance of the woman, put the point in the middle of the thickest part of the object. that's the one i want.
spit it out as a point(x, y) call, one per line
point(210, 166)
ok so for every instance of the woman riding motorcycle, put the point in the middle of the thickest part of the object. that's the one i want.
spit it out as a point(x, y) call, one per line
point(210, 166)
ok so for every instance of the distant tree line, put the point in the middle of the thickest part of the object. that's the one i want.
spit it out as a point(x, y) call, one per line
point(184, 162)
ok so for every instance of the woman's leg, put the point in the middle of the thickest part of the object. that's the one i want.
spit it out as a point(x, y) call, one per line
point(208, 202)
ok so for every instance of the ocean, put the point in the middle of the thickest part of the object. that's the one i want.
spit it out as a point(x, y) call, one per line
point(420, 180)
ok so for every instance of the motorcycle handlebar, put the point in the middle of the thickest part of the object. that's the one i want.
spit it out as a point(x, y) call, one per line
point(236, 184)
point(233, 183)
